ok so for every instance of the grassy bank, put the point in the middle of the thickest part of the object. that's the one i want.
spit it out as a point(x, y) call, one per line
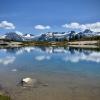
point(4, 97)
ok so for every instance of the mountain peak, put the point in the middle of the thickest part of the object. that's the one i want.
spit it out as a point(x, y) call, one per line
point(87, 31)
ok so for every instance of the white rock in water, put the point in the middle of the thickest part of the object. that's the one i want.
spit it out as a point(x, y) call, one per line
point(28, 81)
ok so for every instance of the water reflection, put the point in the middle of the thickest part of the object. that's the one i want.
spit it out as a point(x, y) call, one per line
point(70, 54)
point(83, 56)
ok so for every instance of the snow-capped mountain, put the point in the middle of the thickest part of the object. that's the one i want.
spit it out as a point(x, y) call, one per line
point(57, 34)
point(52, 36)
point(49, 36)
point(27, 37)
point(20, 37)
point(13, 36)
point(88, 32)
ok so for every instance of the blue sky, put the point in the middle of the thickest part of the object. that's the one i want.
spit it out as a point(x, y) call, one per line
point(25, 15)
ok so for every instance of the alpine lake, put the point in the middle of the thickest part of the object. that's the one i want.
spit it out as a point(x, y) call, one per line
point(71, 73)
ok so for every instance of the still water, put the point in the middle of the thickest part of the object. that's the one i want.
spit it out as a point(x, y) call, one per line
point(71, 73)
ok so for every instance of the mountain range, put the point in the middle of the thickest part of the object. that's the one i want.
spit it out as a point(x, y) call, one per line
point(50, 36)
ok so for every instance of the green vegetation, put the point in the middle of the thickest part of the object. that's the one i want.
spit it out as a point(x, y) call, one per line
point(3, 97)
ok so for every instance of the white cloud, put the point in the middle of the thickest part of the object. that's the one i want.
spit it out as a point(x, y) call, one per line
point(42, 27)
point(7, 60)
point(7, 25)
point(40, 58)
point(71, 25)
point(93, 26)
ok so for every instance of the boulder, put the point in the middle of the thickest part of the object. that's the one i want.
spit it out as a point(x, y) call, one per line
point(29, 82)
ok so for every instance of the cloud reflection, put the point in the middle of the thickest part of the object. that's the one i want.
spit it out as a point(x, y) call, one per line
point(7, 60)
point(93, 56)
point(25, 49)
point(43, 57)
point(67, 53)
